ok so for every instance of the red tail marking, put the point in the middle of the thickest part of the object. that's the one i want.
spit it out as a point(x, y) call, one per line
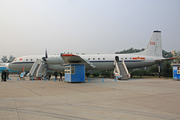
point(152, 43)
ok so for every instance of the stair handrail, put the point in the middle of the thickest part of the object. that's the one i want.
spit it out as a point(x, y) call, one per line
point(40, 69)
point(32, 70)
point(117, 68)
point(125, 68)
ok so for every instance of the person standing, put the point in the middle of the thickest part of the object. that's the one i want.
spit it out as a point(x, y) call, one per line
point(49, 76)
point(55, 74)
point(4, 76)
point(60, 79)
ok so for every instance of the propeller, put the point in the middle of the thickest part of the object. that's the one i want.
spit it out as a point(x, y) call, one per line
point(45, 61)
point(46, 56)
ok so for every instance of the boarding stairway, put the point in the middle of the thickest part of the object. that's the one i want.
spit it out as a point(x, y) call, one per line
point(120, 70)
point(37, 70)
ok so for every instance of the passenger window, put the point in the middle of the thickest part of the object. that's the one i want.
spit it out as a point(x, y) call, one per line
point(93, 58)
point(26, 59)
point(88, 58)
point(103, 58)
point(125, 58)
point(31, 59)
point(98, 58)
point(122, 58)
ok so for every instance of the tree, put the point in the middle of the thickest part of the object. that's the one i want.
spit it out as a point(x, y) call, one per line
point(95, 73)
point(167, 69)
point(4, 59)
point(105, 73)
point(87, 74)
point(176, 57)
point(131, 50)
point(153, 69)
point(11, 58)
point(140, 73)
point(167, 54)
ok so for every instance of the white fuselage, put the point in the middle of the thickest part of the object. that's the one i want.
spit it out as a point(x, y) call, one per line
point(101, 61)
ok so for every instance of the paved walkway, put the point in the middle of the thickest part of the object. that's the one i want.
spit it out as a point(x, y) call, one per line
point(146, 99)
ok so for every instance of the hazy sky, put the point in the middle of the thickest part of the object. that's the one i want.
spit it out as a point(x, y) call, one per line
point(28, 27)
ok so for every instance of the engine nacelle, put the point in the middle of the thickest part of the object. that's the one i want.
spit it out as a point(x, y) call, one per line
point(53, 60)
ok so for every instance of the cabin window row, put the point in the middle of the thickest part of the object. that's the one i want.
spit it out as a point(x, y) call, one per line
point(104, 58)
point(97, 59)
point(30, 59)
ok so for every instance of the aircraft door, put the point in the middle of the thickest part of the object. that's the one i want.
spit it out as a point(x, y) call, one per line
point(117, 58)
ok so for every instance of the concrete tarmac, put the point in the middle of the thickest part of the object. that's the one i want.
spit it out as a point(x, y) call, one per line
point(137, 99)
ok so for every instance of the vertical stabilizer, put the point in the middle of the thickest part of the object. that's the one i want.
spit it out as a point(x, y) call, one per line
point(154, 47)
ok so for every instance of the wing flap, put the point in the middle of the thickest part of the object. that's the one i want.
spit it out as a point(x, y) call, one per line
point(75, 59)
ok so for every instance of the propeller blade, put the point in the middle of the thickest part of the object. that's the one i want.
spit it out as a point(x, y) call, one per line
point(46, 55)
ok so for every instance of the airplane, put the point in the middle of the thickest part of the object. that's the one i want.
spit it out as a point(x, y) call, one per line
point(4, 68)
point(150, 56)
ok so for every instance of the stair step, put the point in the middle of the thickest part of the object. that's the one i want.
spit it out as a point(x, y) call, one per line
point(121, 69)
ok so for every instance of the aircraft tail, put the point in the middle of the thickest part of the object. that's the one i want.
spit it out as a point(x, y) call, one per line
point(154, 47)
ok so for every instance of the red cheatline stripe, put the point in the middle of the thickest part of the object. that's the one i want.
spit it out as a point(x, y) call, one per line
point(68, 55)
point(142, 58)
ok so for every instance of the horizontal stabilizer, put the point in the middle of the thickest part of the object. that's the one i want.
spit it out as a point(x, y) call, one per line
point(160, 60)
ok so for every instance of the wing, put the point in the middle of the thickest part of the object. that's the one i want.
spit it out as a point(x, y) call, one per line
point(75, 59)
